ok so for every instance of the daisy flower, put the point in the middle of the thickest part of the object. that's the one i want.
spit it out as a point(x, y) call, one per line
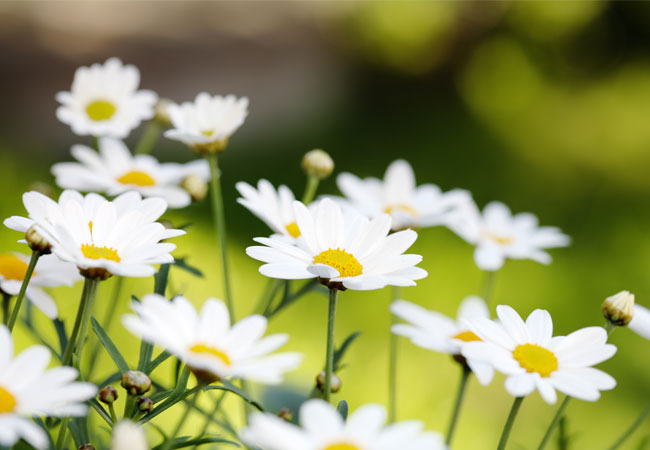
point(50, 271)
point(28, 388)
point(104, 100)
point(497, 235)
point(128, 435)
point(353, 254)
point(437, 332)
point(640, 322)
point(531, 358)
point(323, 428)
point(207, 343)
point(207, 123)
point(100, 237)
point(115, 170)
point(397, 195)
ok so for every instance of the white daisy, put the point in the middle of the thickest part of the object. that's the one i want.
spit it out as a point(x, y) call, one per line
point(437, 332)
point(640, 322)
point(100, 237)
point(531, 358)
point(50, 271)
point(356, 253)
point(115, 170)
point(207, 342)
point(497, 235)
point(128, 435)
point(323, 428)
point(397, 194)
point(28, 388)
point(104, 100)
point(207, 123)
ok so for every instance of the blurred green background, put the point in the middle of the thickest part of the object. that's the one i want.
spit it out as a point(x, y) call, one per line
point(542, 105)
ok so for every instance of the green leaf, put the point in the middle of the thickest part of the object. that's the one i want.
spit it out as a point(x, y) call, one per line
point(112, 350)
point(643, 444)
point(160, 279)
point(342, 408)
point(101, 411)
point(181, 263)
point(59, 326)
point(178, 394)
point(158, 361)
point(340, 351)
point(112, 378)
point(228, 386)
point(185, 441)
point(78, 427)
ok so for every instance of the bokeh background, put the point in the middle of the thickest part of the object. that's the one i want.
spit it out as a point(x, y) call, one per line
point(542, 105)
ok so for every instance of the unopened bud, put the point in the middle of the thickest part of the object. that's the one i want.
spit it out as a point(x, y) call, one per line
point(195, 186)
point(144, 404)
point(87, 447)
point(108, 394)
point(335, 382)
point(318, 163)
point(161, 111)
point(619, 308)
point(286, 414)
point(135, 382)
point(36, 241)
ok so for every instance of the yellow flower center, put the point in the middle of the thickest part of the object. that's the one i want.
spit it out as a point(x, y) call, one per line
point(390, 209)
point(207, 133)
point(499, 239)
point(344, 262)
point(137, 178)
point(342, 446)
point(93, 252)
point(293, 229)
point(466, 336)
point(12, 267)
point(534, 358)
point(100, 110)
point(7, 401)
point(209, 350)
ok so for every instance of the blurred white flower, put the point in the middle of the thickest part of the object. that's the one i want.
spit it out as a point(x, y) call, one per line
point(114, 170)
point(104, 100)
point(128, 435)
point(640, 322)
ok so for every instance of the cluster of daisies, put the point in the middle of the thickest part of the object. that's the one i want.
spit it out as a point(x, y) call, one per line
point(356, 241)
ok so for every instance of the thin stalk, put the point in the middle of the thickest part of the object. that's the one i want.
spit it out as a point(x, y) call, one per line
point(329, 361)
point(108, 320)
point(220, 228)
point(81, 321)
point(310, 189)
point(129, 405)
point(639, 420)
point(488, 286)
point(111, 410)
point(23, 289)
point(190, 405)
point(396, 293)
point(149, 137)
point(60, 440)
point(208, 420)
point(464, 378)
point(6, 301)
point(268, 295)
point(554, 423)
point(511, 420)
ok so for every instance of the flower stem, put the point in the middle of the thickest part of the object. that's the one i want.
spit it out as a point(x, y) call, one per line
point(6, 299)
point(190, 405)
point(488, 286)
point(108, 320)
point(329, 361)
point(396, 293)
point(511, 420)
point(23, 289)
point(554, 423)
point(639, 420)
point(111, 410)
point(220, 228)
point(208, 421)
point(148, 138)
point(81, 322)
point(129, 404)
point(464, 378)
point(310, 189)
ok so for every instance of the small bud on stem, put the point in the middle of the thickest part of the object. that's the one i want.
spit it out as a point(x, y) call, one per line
point(619, 308)
point(135, 382)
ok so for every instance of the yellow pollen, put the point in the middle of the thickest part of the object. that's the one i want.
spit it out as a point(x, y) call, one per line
point(207, 133)
point(7, 401)
point(390, 209)
point(345, 263)
point(466, 336)
point(100, 110)
point(12, 267)
point(342, 446)
point(90, 225)
point(137, 178)
point(93, 252)
point(534, 358)
point(206, 349)
point(293, 229)
point(499, 239)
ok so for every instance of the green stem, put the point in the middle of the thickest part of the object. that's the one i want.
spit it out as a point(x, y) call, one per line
point(23, 289)
point(220, 228)
point(111, 410)
point(511, 420)
point(554, 423)
point(129, 405)
point(488, 286)
point(6, 301)
point(190, 405)
point(149, 137)
point(264, 305)
point(310, 189)
point(464, 378)
point(396, 293)
point(208, 420)
point(60, 440)
point(108, 320)
point(639, 420)
point(81, 321)
point(329, 361)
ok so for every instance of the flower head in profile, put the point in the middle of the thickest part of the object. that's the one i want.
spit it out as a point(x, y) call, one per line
point(497, 235)
point(435, 331)
point(114, 170)
point(355, 253)
point(531, 358)
point(102, 238)
point(50, 271)
point(640, 322)
point(207, 342)
point(104, 100)
point(28, 389)
point(397, 195)
point(323, 428)
point(207, 123)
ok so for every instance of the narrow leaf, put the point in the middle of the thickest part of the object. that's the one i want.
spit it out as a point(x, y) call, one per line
point(112, 350)
point(340, 351)
point(185, 441)
point(342, 408)
point(228, 386)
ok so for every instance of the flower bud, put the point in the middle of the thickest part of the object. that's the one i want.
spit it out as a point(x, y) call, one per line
point(286, 414)
point(135, 382)
point(335, 382)
point(619, 308)
point(161, 112)
point(317, 163)
point(195, 186)
point(108, 394)
point(36, 241)
point(144, 404)
point(87, 447)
